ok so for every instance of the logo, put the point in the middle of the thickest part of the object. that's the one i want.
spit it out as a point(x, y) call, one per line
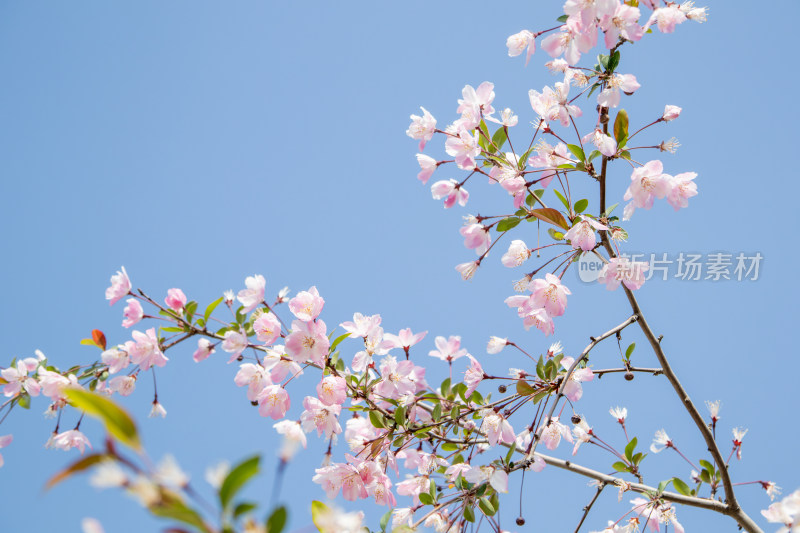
point(589, 267)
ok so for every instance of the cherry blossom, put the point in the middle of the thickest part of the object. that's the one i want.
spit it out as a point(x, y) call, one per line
point(497, 428)
point(448, 349)
point(422, 128)
point(362, 325)
point(550, 294)
point(404, 339)
point(175, 300)
point(451, 191)
point(622, 270)
point(464, 147)
point(273, 401)
point(17, 379)
point(253, 295)
point(496, 345)
point(623, 22)
point(120, 287)
point(647, 183)
point(610, 96)
point(496, 477)
point(467, 270)
point(5, 440)
point(582, 236)
point(267, 327)
point(604, 143)
point(71, 439)
point(551, 431)
point(157, 410)
point(671, 112)
point(332, 390)
point(255, 377)
point(681, 188)
point(516, 255)
point(574, 39)
point(518, 42)
point(472, 376)
point(133, 313)
point(427, 166)
point(308, 342)
point(476, 104)
point(666, 18)
point(660, 441)
point(307, 305)
point(477, 237)
point(573, 389)
point(204, 349)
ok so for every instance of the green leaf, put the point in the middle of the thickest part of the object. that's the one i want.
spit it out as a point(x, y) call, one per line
point(190, 310)
point(577, 151)
point(593, 89)
point(662, 486)
point(557, 235)
point(384, 520)
point(638, 458)
point(603, 59)
point(243, 508)
point(400, 416)
point(524, 159)
point(511, 451)
point(498, 139)
point(437, 412)
point(619, 466)
point(681, 487)
point(445, 387)
point(376, 419)
point(630, 448)
point(708, 466)
point(551, 216)
point(705, 476)
point(210, 309)
point(539, 395)
point(483, 140)
point(237, 478)
point(318, 512)
point(171, 507)
point(524, 389)
point(117, 421)
point(486, 507)
point(337, 341)
point(630, 350)
point(563, 200)
point(540, 368)
point(24, 401)
point(425, 498)
point(562, 18)
point(581, 205)
point(621, 126)
point(277, 520)
point(171, 329)
point(469, 514)
point(613, 61)
point(449, 447)
point(594, 154)
point(507, 223)
point(610, 209)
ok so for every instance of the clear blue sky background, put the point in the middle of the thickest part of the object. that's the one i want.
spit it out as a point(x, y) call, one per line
point(197, 143)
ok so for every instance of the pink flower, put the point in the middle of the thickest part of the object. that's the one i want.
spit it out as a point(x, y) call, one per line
point(362, 325)
point(647, 183)
point(427, 165)
point(671, 112)
point(5, 440)
point(473, 376)
point(204, 349)
point(157, 410)
point(291, 430)
point(400, 378)
point(451, 191)
point(146, 350)
point(497, 478)
point(496, 345)
point(467, 270)
point(610, 97)
point(116, 359)
point(448, 349)
point(307, 305)
point(332, 390)
point(550, 294)
point(574, 39)
point(273, 401)
point(235, 343)
point(518, 42)
point(623, 22)
point(255, 377)
point(123, 385)
point(422, 128)
point(464, 148)
point(621, 270)
point(133, 313)
point(573, 389)
point(517, 254)
point(507, 118)
point(324, 418)
point(253, 294)
point(18, 379)
point(604, 143)
point(681, 188)
point(666, 18)
point(267, 327)
point(476, 103)
point(308, 342)
point(404, 339)
point(549, 159)
point(175, 300)
point(582, 236)
point(71, 439)
point(477, 237)
point(497, 429)
point(551, 431)
point(120, 287)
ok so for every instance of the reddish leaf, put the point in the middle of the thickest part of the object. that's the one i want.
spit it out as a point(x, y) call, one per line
point(99, 338)
point(77, 466)
point(551, 216)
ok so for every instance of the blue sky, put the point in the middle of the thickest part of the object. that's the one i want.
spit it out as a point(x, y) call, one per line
point(197, 143)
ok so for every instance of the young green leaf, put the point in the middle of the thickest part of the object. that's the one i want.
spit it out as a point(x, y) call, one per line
point(507, 223)
point(116, 420)
point(237, 478)
point(621, 126)
point(277, 520)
